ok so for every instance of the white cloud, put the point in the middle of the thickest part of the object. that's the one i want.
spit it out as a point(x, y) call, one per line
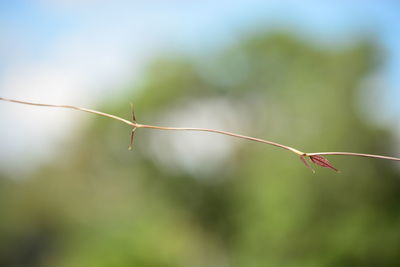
point(75, 70)
point(201, 154)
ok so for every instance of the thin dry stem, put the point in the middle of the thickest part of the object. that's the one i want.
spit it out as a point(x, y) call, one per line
point(137, 126)
point(353, 154)
point(70, 107)
point(225, 133)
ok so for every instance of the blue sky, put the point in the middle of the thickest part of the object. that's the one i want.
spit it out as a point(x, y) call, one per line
point(33, 27)
point(71, 51)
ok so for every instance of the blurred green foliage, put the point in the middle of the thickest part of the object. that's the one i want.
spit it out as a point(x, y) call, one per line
point(98, 204)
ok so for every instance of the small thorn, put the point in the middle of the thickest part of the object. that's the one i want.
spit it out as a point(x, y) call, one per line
point(133, 113)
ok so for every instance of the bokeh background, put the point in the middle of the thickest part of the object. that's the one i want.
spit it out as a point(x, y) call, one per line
point(315, 75)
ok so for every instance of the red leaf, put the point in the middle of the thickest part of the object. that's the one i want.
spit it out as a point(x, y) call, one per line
point(323, 162)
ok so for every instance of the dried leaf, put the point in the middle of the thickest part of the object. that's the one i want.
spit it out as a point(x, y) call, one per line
point(132, 138)
point(303, 159)
point(323, 162)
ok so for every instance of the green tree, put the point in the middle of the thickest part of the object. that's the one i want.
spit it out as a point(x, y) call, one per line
point(101, 205)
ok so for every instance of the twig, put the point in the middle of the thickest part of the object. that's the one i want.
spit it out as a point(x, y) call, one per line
point(137, 125)
point(70, 107)
point(354, 154)
point(314, 157)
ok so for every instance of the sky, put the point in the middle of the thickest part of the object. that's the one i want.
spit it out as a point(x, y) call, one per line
point(80, 52)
